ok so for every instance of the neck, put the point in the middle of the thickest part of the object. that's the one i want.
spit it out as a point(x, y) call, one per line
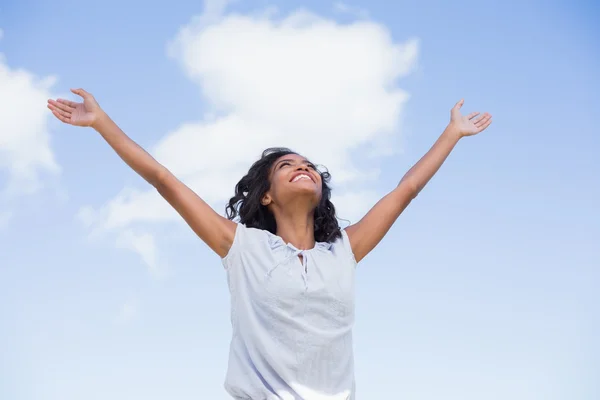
point(296, 228)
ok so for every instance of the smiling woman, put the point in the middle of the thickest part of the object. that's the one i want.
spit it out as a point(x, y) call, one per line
point(290, 266)
point(273, 185)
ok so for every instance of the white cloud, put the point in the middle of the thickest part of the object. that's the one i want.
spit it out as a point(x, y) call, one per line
point(327, 90)
point(353, 204)
point(344, 8)
point(25, 152)
point(144, 245)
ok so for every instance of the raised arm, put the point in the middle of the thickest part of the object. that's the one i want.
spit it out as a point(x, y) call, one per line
point(368, 232)
point(216, 231)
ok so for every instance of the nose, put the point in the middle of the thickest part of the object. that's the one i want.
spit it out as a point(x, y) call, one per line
point(302, 167)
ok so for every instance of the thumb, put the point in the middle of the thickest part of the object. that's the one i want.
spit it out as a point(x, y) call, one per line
point(82, 93)
point(458, 105)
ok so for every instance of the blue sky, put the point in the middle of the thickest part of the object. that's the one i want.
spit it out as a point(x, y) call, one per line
point(486, 287)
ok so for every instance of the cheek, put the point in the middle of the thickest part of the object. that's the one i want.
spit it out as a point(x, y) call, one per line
point(277, 182)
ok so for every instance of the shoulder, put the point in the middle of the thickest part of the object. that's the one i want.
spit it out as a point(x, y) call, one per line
point(246, 239)
point(341, 247)
point(245, 236)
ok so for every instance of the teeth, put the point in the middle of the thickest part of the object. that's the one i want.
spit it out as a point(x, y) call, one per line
point(302, 176)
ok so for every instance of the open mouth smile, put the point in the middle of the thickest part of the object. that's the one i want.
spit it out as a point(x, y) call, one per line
point(301, 176)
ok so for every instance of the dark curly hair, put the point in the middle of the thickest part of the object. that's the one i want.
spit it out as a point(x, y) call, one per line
point(246, 204)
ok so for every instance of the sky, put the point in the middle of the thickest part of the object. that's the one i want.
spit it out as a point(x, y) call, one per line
point(485, 288)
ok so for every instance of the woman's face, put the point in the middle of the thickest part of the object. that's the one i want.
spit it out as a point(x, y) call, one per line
point(293, 176)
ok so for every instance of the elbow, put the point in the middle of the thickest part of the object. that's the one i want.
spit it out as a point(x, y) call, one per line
point(410, 188)
point(414, 192)
point(160, 178)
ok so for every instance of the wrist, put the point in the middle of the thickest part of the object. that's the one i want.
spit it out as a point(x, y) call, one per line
point(452, 131)
point(101, 119)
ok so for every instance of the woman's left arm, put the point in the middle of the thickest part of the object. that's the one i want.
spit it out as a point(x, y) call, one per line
point(368, 232)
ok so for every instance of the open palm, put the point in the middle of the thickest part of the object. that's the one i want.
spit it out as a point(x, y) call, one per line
point(471, 124)
point(77, 114)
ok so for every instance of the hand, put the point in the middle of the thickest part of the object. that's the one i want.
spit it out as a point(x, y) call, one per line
point(77, 114)
point(470, 124)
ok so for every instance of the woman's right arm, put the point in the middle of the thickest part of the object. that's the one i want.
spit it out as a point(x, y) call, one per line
point(215, 230)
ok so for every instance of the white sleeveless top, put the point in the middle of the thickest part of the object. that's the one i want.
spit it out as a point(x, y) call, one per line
point(292, 319)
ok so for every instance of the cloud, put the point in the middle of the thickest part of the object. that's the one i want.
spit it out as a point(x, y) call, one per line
point(25, 153)
point(344, 8)
point(328, 90)
point(353, 204)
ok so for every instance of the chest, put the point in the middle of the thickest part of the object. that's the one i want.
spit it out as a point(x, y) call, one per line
point(314, 286)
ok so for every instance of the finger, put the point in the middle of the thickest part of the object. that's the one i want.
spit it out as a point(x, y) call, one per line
point(67, 102)
point(61, 106)
point(65, 114)
point(482, 120)
point(484, 126)
point(60, 117)
point(488, 123)
point(473, 115)
point(458, 105)
point(81, 92)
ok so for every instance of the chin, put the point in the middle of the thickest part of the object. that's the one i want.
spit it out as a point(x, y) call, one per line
point(309, 192)
point(305, 188)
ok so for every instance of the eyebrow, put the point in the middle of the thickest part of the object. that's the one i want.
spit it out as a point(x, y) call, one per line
point(305, 161)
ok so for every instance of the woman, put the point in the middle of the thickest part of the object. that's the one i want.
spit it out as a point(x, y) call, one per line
point(290, 267)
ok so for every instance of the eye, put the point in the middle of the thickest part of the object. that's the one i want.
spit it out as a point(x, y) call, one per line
point(283, 164)
point(311, 166)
